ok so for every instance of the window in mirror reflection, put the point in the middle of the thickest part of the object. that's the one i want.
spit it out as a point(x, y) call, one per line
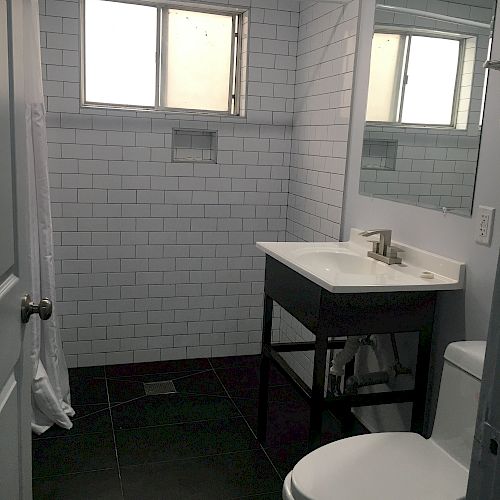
point(414, 79)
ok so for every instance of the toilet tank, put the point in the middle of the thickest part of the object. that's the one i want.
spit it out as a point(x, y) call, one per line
point(455, 420)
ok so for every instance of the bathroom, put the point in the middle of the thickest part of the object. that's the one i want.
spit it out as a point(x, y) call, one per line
point(175, 143)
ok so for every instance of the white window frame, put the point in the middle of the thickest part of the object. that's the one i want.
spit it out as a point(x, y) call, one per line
point(398, 97)
point(161, 9)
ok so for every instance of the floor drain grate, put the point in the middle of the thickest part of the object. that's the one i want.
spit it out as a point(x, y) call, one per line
point(161, 387)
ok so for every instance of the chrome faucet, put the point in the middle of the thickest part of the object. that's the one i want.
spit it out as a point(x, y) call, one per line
point(382, 249)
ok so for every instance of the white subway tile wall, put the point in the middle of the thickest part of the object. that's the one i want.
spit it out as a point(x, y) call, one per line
point(156, 259)
point(325, 61)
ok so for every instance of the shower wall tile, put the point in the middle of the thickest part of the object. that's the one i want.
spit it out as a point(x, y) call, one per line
point(324, 76)
point(154, 259)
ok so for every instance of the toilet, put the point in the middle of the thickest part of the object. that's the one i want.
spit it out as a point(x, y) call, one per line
point(403, 465)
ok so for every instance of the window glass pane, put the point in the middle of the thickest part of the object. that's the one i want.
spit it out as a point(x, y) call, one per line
point(120, 53)
point(198, 60)
point(432, 74)
point(385, 77)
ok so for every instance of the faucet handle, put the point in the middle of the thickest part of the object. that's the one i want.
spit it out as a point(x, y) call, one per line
point(392, 251)
point(371, 232)
point(385, 239)
point(375, 245)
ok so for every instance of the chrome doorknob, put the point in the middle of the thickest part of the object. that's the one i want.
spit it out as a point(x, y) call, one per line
point(28, 307)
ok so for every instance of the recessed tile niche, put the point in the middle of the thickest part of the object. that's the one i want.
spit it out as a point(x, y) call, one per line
point(379, 154)
point(194, 146)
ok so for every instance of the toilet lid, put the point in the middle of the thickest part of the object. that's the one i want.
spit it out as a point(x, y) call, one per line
point(383, 466)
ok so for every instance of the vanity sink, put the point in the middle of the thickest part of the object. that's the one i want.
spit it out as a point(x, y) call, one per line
point(336, 261)
point(345, 267)
point(326, 287)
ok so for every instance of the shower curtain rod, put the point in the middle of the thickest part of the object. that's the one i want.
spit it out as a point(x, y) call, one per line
point(432, 15)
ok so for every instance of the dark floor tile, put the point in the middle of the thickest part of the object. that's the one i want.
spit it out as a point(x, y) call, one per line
point(287, 453)
point(275, 495)
point(351, 426)
point(232, 475)
point(87, 372)
point(181, 441)
point(199, 382)
point(87, 385)
point(289, 423)
point(240, 378)
point(247, 400)
point(90, 418)
point(171, 409)
point(178, 365)
point(96, 485)
point(65, 455)
point(286, 456)
point(233, 361)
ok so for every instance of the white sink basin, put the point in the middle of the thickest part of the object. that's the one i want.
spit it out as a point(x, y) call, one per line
point(345, 267)
point(334, 261)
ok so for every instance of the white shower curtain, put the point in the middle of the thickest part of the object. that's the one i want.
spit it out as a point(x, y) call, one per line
point(51, 401)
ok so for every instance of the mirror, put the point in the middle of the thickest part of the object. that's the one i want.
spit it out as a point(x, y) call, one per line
point(425, 102)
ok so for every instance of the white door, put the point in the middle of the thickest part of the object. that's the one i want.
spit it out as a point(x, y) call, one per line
point(15, 369)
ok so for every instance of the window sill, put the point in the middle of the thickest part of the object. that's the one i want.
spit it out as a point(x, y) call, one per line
point(411, 125)
point(185, 114)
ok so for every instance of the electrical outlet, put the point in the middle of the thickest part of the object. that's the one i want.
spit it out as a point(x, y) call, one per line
point(484, 225)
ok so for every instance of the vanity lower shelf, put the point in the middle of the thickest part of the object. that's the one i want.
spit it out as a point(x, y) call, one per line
point(330, 316)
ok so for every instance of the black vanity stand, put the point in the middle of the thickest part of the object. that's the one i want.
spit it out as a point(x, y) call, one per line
point(329, 315)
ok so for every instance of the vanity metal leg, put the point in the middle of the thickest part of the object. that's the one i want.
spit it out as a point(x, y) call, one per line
point(318, 391)
point(342, 411)
point(421, 379)
point(265, 366)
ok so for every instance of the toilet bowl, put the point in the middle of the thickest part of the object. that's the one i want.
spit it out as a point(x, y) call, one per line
point(403, 465)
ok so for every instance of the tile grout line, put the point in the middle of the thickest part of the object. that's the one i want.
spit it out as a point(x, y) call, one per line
point(67, 474)
point(246, 421)
point(194, 457)
point(173, 424)
point(182, 374)
point(114, 437)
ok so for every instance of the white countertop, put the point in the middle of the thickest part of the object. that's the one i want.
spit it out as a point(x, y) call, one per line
point(345, 267)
